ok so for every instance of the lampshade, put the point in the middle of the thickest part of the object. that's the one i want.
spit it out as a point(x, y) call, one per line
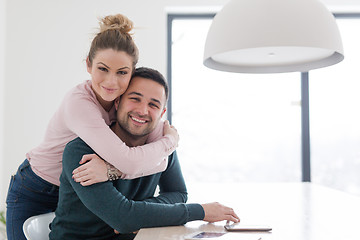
point(273, 36)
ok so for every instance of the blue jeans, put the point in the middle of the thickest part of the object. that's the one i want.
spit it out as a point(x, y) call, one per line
point(28, 195)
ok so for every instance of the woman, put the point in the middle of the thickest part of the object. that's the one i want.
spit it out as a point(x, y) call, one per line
point(86, 112)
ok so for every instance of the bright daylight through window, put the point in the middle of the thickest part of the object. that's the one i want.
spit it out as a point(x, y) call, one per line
point(233, 127)
point(247, 127)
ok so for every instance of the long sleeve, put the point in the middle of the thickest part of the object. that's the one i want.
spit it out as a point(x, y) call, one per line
point(172, 185)
point(122, 214)
point(85, 119)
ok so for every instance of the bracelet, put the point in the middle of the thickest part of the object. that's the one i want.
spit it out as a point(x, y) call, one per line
point(112, 172)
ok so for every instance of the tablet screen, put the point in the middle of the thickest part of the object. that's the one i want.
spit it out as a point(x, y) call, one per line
point(205, 235)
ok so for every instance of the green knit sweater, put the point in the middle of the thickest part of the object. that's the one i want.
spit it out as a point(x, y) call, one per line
point(93, 212)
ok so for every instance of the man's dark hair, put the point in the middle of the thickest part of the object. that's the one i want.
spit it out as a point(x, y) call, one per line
point(154, 75)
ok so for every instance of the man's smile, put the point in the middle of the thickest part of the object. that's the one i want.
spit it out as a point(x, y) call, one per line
point(138, 119)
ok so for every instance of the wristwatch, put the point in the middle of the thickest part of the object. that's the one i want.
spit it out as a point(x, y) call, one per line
point(112, 172)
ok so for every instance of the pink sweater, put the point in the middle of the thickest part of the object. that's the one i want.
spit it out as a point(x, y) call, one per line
point(80, 114)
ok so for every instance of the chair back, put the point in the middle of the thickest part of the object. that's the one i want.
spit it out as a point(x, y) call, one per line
point(37, 227)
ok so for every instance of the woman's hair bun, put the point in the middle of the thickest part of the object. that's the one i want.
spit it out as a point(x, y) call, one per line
point(116, 22)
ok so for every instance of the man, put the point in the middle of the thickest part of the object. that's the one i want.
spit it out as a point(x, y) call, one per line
point(95, 211)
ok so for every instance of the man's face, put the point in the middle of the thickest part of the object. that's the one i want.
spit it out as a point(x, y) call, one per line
point(141, 106)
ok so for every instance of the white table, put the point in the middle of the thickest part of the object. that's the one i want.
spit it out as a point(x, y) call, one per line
point(296, 211)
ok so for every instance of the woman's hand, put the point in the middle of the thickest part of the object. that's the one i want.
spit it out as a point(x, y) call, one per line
point(93, 170)
point(171, 130)
point(215, 212)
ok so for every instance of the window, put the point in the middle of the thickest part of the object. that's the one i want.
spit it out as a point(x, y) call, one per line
point(233, 127)
point(335, 116)
point(247, 127)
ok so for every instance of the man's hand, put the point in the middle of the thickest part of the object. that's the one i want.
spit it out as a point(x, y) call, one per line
point(171, 130)
point(92, 171)
point(215, 212)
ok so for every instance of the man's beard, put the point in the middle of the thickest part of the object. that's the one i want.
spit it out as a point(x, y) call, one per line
point(125, 126)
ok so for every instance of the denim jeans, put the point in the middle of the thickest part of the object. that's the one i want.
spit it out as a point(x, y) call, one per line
point(28, 195)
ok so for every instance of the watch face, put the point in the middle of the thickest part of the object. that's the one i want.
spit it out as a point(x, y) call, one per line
point(112, 176)
point(112, 173)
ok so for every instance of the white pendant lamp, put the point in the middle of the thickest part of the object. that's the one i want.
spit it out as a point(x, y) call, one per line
point(273, 36)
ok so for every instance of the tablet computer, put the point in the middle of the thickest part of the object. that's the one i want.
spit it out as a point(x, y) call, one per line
point(247, 228)
point(204, 235)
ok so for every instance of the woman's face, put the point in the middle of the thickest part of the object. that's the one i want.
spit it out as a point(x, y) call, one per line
point(110, 73)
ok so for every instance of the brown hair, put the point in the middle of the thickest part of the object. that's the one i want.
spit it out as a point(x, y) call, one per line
point(115, 34)
point(153, 75)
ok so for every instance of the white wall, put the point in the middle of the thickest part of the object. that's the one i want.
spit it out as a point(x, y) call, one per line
point(2, 82)
point(46, 45)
